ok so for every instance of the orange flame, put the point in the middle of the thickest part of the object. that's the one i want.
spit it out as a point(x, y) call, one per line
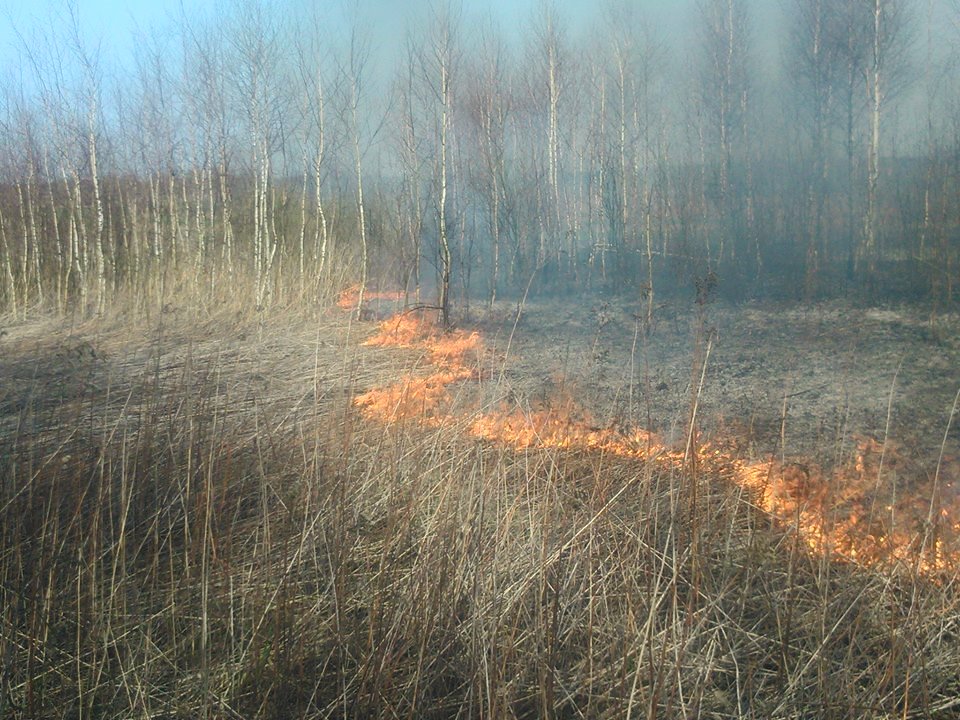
point(403, 330)
point(858, 514)
point(862, 512)
point(350, 298)
point(551, 429)
point(456, 351)
point(455, 356)
point(413, 398)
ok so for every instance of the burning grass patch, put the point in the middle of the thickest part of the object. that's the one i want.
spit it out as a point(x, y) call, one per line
point(878, 510)
point(455, 350)
point(861, 513)
point(556, 429)
point(215, 529)
point(454, 355)
point(423, 399)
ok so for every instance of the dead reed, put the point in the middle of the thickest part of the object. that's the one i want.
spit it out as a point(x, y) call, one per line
point(198, 522)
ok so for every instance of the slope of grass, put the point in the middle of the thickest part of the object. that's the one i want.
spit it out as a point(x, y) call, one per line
point(196, 522)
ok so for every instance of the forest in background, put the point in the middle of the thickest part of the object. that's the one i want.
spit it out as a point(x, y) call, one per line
point(223, 497)
point(257, 152)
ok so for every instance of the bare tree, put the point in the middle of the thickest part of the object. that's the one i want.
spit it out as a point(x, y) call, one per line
point(239, 148)
point(633, 66)
point(815, 70)
point(889, 42)
point(89, 64)
point(409, 141)
point(312, 58)
point(488, 109)
point(259, 82)
point(206, 97)
point(872, 38)
point(725, 90)
point(67, 85)
point(548, 85)
point(437, 56)
point(358, 55)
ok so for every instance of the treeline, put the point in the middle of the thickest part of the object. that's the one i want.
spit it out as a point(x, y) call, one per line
point(269, 152)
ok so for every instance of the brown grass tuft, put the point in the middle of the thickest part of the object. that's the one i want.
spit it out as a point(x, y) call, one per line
point(201, 523)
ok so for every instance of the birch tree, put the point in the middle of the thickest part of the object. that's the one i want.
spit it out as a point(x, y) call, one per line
point(815, 73)
point(488, 109)
point(725, 93)
point(438, 61)
point(206, 98)
point(258, 83)
point(312, 59)
point(548, 87)
point(358, 55)
point(886, 63)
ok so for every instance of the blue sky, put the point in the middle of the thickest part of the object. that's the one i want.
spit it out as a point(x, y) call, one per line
point(119, 25)
point(116, 23)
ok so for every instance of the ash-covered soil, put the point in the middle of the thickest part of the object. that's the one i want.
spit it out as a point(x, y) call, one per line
point(808, 382)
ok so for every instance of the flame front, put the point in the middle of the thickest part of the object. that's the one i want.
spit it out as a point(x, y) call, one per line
point(553, 429)
point(859, 513)
point(350, 298)
point(424, 399)
point(454, 357)
point(866, 511)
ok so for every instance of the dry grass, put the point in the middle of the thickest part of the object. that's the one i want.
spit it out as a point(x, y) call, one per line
point(197, 522)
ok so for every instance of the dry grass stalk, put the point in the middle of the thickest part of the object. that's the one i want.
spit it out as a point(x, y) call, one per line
point(200, 523)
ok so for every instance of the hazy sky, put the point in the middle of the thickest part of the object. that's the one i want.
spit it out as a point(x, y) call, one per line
point(116, 23)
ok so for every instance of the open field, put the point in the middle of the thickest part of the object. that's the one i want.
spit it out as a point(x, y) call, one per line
point(544, 359)
point(234, 515)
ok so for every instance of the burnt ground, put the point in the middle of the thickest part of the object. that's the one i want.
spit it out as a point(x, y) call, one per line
point(808, 382)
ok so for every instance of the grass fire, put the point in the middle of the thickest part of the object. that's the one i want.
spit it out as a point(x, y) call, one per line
point(529, 359)
point(308, 514)
point(853, 514)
